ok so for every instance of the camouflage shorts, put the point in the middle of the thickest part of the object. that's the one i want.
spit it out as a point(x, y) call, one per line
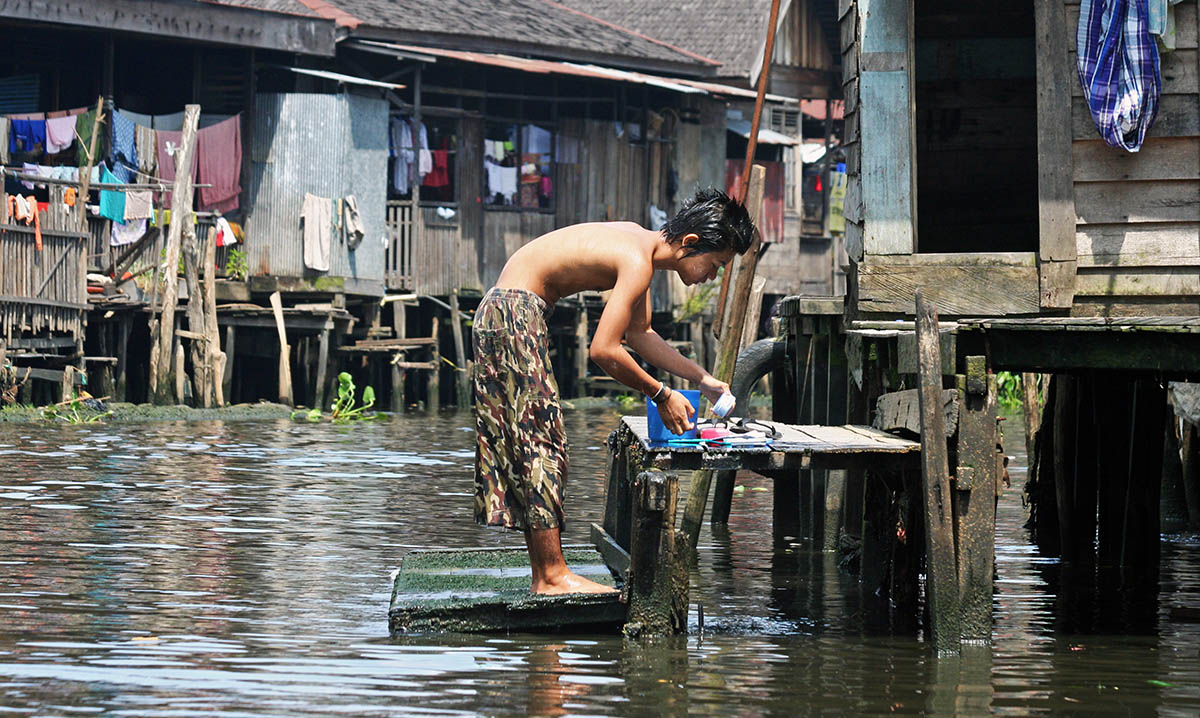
point(521, 454)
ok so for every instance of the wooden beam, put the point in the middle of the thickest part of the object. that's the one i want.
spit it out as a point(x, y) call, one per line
point(1056, 191)
point(285, 364)
point(941, 566)
point(957, 285)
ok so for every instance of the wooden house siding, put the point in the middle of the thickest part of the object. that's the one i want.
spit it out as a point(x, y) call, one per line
point(42, 291)
point(1137, 215)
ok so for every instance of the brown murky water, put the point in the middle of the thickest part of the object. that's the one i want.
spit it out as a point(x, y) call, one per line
point(241, 569)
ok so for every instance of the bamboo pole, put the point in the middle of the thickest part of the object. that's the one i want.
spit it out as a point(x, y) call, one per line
point(214, 357)
point(285, 364)
point(181, 221)
point(85, 181)
point(460, 354)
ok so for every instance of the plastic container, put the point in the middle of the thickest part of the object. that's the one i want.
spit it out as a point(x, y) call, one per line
point(724, 405)
point(654, 425)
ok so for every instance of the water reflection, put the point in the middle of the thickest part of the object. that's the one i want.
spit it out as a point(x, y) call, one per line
point(243, 569)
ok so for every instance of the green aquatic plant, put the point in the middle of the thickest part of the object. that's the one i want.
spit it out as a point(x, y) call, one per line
point(626, 402)
point(345, 408)
point(79, 409)
point(1008, 390)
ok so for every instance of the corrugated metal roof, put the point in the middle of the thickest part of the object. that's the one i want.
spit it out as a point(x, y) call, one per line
point(339, 77)
point(765, 136)
point(550, 67)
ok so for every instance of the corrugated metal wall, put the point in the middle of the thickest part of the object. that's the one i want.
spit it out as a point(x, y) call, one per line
point(326, 145)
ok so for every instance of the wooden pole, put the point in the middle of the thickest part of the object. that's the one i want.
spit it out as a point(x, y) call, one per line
point(975, 499)
point(86, 181)
point(181, 220)
point(581, 350)
point(285, 363)
point(941, 583)
point(230, 351)
point(400, 330)
point(697, 497)
point(435, 383)
point(212, 349)
point(658, 565)
point(744, 191)
point(319, 396)
point(463, 391)
point(195, 317)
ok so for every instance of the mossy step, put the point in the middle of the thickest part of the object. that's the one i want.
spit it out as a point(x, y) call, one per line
point(487, 590)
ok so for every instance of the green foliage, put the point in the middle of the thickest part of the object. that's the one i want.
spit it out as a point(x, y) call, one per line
point(1008, 390)
point(626, 402)
point(345, 408)
point(236, 266)
point(698, 299)
point(77, 411)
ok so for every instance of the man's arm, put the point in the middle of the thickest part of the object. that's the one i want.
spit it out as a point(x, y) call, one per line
point(606, 350)
point(654, 349)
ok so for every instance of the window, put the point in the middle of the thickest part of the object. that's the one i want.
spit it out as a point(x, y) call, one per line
point(787, 122)
point(518, 167)
point(432, 164)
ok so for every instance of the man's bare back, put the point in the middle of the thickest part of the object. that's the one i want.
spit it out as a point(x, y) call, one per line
point(578, 258)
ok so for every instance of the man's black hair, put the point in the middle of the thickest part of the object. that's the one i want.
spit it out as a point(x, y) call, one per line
point(720, 222)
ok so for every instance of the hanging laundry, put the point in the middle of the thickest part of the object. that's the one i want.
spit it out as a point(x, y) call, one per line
point(225, 234)
point(124, 145)
point(112, 202)
point(316, 216)
point(25, 209)
point(535, 140)
point(84, 124)
point(424, 156)
point(138, 118)
point(27, 135)
point(147, 151)
point(439, 176)
point(170, 123)
point(69, 195)
point(501, 180)
point(167, 144)
point(36, 170)
point(4, 126)
point(60, 133)
point(400, 136)
point(127, 232)
point(219, 155)
point(354, 224)
point(1118, 70)
point(138, 205)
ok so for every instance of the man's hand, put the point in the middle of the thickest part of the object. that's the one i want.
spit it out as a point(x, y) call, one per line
point(676, 413)
point(711, 388)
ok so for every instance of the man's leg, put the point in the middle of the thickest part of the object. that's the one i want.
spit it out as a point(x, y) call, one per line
point(550, 572)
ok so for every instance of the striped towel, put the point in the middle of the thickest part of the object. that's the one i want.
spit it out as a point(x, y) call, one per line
point(1118, 69)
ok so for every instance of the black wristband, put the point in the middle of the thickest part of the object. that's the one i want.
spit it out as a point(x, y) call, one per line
point(661, 388)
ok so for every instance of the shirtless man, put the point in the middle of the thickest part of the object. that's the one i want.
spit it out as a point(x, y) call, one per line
point(521, 455)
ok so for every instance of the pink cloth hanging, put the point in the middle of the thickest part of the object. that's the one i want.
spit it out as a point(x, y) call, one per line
point(220, 165)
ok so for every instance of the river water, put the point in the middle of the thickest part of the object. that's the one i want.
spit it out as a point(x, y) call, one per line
point(242, 569)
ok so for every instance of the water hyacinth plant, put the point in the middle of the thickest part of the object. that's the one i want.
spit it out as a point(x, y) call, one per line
point(345, 408)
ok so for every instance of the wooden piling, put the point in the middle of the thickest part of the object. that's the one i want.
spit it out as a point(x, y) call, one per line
point(435, 383)
point(285, 365)
point(230, 351)
point(124, 326)
point(461, 375)
point(941, 568)
point(319, 383)
point(975, 499)
point(1189, 454)
point(1065, 422)
point(163, 338)
point(658, 576)
point(581, 350)
point(400, 331)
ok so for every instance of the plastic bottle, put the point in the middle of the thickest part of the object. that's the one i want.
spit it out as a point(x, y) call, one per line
point(724, 405)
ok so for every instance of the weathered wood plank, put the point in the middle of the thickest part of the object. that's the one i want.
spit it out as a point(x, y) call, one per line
point(887, 172)
point(954, 290)
point(941, 568)
point(1163, 158)
point(1056, 211)
point(975, 500)
point(901, 410)
point(1135, 307)
point(1146, 282)
point(1178, 116)
point(1138, 245)
point(1114, 202)
point(1056, 283)
point(658, 565)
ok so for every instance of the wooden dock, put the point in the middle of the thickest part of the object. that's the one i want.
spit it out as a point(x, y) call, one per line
point(638, 537)
point(484, 590)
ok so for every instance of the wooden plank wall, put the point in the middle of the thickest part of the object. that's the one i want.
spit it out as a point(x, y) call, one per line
point(42, 291)
point(1138, 215)
point(851, 143)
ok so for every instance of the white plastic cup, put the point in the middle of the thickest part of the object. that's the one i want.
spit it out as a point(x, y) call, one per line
point(724, 405)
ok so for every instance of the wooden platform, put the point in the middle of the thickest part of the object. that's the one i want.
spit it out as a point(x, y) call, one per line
point(798, 447)
point(485, 590)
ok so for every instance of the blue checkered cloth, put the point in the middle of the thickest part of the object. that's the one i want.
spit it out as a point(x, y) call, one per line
point(1118, 69)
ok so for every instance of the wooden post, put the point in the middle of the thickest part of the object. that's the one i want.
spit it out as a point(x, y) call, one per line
point(319, 384)
point(181, 221)
point(123, 329)
point(1032, 410)
point(975, 498)
point(658, 569)
point(582, 350)
point(400, 330)
point(285, 364)
point(461, 375)
point(1189, 453)
point(435, 384)
point(1065, 422)
point(697, 498)
point(230, 352)
point(86, 181)
point(941, 584)
point(180, 378)
point(212, 347)
point(68, 383)
point(195, 316)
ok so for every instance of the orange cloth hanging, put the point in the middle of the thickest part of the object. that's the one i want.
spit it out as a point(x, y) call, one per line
point(69, 196)
point(25, 209)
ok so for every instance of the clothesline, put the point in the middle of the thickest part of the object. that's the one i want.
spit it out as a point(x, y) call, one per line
point(38, 179)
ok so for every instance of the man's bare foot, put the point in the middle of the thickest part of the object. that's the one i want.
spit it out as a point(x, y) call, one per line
point(570, 583)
